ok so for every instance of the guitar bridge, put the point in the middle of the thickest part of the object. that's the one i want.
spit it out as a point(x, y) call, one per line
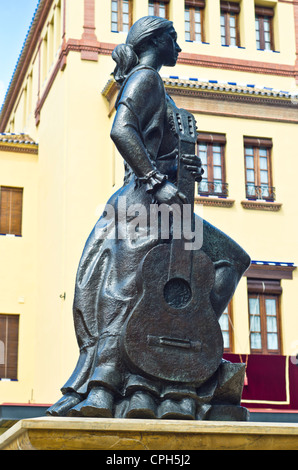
point(174, 342)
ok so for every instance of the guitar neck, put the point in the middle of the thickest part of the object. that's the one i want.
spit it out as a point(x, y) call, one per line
point(185, 180)
point(181, 259)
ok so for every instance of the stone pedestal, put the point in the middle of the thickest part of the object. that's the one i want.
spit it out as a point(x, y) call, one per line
point(135, 435)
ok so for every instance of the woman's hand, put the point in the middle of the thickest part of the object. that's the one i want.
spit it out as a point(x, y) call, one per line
point(193, 164)
point(167, 193)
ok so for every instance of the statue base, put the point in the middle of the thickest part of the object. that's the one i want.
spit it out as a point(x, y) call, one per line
point(136, 434)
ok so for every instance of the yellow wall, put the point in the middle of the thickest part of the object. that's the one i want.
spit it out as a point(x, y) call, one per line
point(18, 272)
point(75, 176)
point(78, 168)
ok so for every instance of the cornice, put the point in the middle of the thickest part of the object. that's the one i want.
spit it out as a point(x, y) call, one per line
point(20, 143)
point(240, 65)
point(215, 91)
point(22, 148)
point(261, 205)
point(214, 201)
point(270, 270)
point(238, 97)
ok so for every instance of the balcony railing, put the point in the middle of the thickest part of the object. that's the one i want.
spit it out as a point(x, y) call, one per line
point(260, 192)
point(213, 188)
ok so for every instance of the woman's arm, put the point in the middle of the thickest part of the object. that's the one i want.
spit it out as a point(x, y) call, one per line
point(127, 138)
point(141, 109)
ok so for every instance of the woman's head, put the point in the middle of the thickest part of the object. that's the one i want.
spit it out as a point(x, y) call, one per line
point(145, 29)
point(142, 34)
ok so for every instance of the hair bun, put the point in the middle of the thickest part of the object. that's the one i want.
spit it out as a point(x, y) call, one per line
point(126, 59)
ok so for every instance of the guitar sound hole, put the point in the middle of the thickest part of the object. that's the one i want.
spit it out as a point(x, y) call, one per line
point(177, 293)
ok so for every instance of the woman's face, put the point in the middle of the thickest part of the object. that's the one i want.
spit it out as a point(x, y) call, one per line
point(168, 47)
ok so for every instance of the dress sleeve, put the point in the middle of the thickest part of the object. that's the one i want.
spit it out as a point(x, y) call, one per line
point(139, 120)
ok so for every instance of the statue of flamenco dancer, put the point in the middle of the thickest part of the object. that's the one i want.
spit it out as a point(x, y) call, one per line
point(146, 309)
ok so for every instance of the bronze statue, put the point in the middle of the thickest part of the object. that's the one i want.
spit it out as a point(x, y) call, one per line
point(146, 308)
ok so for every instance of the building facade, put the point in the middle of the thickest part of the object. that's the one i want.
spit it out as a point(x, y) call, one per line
point(238, 74)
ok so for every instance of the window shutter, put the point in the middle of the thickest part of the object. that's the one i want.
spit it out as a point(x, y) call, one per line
point(4, 210)
point(232, 7)
point(211, 138)
point(264, 11)
point(11, 204)
point(264, 286)
point(195, 3)
point(16, 211)
point(13, 342)
point(2, 345)
point(258, 142)
point(9, 340)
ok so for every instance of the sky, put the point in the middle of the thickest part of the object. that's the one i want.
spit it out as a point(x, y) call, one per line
point(15, 20)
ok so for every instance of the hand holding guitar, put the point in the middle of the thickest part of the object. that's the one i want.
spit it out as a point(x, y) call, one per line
point(167, 193)
point(193, 164)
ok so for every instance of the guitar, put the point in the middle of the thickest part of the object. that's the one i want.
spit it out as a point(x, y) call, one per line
point(172, 333)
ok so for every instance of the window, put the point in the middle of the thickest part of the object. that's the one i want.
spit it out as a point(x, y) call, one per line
point(11, 204)
point(264, 28)
point(225, 323)
point(57, 24)
point(211, 150)
point(9, 340)
point(264, 316)
point(29, 90)
point(51, 43)
point(157, 8)
point(45, 63)
point(257, 154)
point(25, 104)
point(121, 15)
point(229, 23)
point(194, 20)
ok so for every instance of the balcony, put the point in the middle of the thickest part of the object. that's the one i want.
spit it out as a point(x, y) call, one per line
point(264, 192)
point(213, 188)
point(270, 386)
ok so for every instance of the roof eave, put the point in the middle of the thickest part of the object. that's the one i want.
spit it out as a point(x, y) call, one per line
point(23, 63)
